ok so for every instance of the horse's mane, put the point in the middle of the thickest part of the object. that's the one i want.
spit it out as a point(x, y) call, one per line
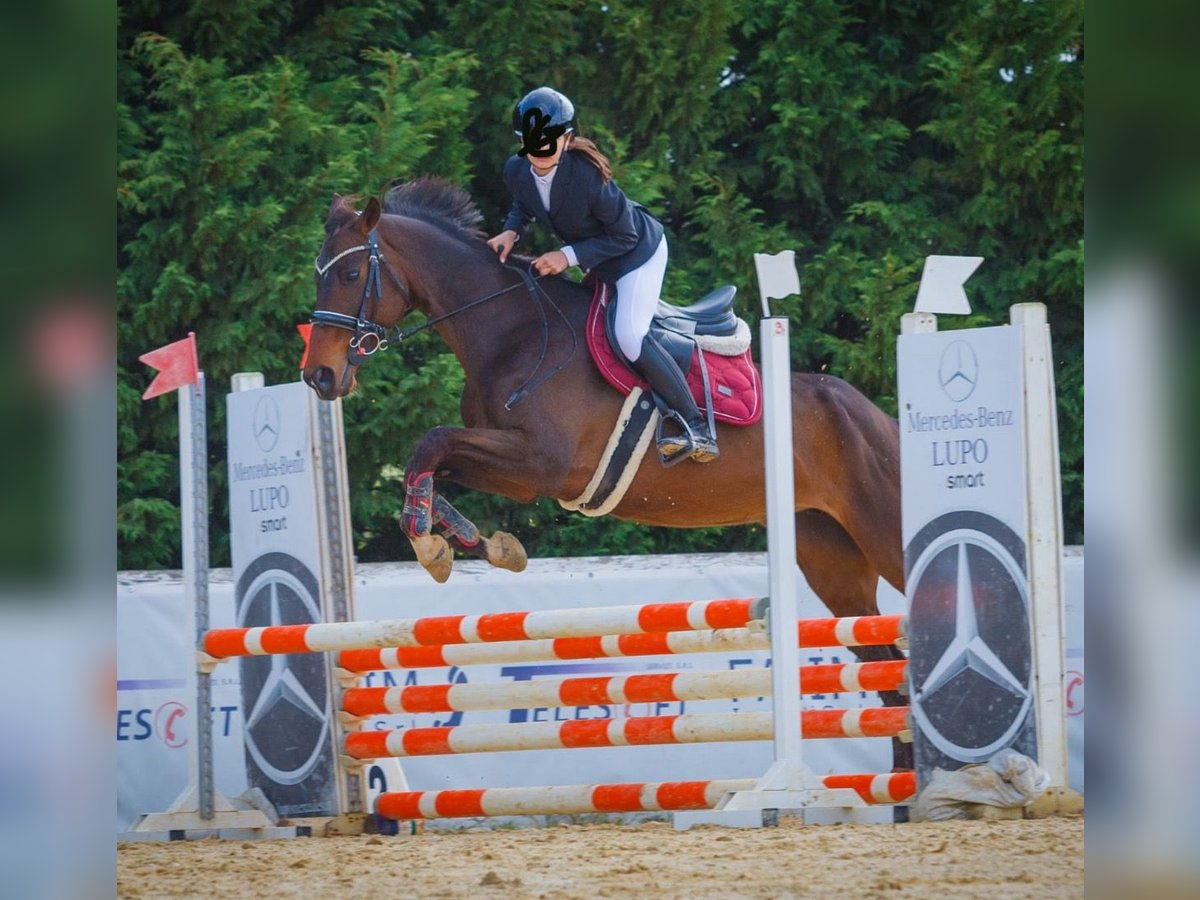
point(438, 202)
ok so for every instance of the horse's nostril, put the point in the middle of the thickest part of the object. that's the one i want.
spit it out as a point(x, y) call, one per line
point(322, 380)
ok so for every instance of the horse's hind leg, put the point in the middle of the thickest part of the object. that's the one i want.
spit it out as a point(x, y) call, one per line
point(841, 576)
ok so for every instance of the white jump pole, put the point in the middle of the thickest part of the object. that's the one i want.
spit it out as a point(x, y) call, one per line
point(787, 772)
point(1044, 503)
point(200, 807)
point(788, 783)
point(193, 479)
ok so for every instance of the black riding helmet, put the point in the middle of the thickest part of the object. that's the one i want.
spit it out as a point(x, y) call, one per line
point(540, 118)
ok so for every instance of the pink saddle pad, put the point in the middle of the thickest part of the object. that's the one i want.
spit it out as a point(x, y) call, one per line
point(735, 381)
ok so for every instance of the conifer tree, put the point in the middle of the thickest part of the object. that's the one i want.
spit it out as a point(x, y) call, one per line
point(863, 135)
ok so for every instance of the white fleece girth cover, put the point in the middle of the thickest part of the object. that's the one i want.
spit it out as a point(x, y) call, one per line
point(623, 454)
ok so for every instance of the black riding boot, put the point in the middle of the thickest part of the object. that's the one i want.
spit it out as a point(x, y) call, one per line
point(695, 439)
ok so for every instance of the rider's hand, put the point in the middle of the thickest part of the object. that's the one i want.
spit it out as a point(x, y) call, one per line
point(503, 243)
point(551, 263)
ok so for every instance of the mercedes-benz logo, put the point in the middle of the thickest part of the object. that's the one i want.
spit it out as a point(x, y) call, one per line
point(266, 423)
point(970, 655)
point(285, 698)
point(958, 371)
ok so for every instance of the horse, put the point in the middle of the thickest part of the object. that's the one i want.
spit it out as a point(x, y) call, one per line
point(537, 414)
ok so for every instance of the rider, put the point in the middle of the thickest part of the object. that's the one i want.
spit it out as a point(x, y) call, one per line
point(566, 184)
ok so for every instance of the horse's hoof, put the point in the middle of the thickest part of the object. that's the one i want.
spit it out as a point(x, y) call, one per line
point(434, 554)
point(505, 552)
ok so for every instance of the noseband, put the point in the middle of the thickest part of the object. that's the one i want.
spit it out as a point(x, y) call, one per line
point(368, 337)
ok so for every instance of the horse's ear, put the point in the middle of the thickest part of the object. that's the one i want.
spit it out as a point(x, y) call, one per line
point(370, 216)
point(339, 213)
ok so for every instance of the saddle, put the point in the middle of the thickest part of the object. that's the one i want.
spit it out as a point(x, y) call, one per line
point(708, 342)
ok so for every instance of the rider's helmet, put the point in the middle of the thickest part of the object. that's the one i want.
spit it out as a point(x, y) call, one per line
point(539, 118)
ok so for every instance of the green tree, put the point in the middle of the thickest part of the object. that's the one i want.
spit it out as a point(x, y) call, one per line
point(223, 183)
point(864, 135)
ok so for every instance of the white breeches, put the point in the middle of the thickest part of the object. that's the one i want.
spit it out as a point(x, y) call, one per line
point(637, 299)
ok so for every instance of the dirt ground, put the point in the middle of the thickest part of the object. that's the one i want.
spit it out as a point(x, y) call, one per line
point(996, 859)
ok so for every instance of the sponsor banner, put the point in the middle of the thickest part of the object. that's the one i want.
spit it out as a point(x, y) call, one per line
point(155, 721)
point(272, 487)
point(276, 553)
point(962, 438)
point(962, 448)
point(1073, 674)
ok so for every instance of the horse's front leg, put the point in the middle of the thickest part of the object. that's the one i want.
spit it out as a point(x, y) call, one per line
point(497, 461)
point(416, 520)
point(502, 550)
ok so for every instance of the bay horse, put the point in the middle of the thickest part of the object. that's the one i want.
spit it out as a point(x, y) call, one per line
point(424, 251)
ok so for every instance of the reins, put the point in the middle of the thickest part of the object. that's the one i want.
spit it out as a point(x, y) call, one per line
point(363, 327)
point(526, 388)
point(429, 323)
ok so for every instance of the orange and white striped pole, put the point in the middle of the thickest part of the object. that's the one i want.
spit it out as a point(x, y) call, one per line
point(832, 678)
point(613, 798)
point(679, 729)
point(507, 626)
point(848, 632)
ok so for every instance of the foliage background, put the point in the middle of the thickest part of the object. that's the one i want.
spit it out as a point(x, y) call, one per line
point(865, 135)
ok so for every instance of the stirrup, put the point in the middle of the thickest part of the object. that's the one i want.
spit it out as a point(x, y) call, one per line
point(674, 449)
point(706, 450)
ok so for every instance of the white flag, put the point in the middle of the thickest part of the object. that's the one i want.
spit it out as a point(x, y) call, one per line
point(941, 289)
point(777, 276)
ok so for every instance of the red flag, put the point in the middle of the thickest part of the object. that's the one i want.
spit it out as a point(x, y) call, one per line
point(177, 365)
point(306, 333)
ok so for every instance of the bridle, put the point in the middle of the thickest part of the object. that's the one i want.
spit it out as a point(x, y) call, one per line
point(369, 337)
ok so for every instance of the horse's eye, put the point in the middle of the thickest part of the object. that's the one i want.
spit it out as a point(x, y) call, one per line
point(351, 275)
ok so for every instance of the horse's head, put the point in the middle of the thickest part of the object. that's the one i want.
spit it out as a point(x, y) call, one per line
point(359, 297)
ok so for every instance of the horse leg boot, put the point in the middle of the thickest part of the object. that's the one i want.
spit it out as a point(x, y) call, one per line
point(416, 521)
point(502, 550)
point(696, 440)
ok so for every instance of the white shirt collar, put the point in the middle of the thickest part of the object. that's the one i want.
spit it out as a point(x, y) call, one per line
point(542, 183)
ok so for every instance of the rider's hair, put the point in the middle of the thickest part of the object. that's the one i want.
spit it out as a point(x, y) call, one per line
point(589, 151)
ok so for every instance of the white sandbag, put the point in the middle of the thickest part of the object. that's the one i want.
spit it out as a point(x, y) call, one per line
point(1009, 780)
